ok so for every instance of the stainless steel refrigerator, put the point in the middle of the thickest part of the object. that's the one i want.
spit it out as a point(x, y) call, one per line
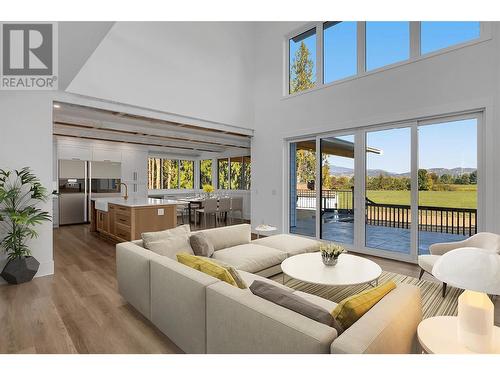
point(79, 181)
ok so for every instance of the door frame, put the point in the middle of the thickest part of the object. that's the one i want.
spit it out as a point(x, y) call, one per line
point(360, 178)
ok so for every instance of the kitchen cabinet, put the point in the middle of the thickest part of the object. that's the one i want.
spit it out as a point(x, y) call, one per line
point(102, 221)
point(126, 220)
point(104, 154)
point(135, 167)
point(71, 152)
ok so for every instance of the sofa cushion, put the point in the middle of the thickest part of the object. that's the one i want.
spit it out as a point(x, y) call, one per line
point(291, 301)
point(251, 257)
point(206, 266)
point(232, 235)
point(168, 242)
point(189, 260)
point(240, 281)
point(350, 309)
point(249, 278)
point(201, 245)
point(290, 244)
point(320, 301)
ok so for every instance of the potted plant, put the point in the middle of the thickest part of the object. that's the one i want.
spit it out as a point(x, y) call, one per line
point(20, 194)
point(330, 253)
point(208, 189)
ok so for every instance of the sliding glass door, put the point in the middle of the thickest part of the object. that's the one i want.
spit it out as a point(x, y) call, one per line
point(447, 182)
point(302, 213)
point(390, 190)
point(337, 189)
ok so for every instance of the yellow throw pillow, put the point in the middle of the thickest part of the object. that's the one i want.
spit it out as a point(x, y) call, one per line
point(219, 272)
point(206, 266)
point(189, 260)
point(350, 309)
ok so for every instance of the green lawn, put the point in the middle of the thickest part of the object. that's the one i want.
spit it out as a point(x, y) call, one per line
point(465, 198)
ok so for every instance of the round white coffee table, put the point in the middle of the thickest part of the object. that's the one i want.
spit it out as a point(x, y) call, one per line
point(439, 335)
point(349, 270)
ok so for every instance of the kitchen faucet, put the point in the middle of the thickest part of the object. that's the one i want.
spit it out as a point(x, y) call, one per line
point(126, 190)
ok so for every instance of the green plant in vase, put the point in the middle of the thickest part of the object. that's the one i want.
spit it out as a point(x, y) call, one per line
point(330, 253)
point(20, 195)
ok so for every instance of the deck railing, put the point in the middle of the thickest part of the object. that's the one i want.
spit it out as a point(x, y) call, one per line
point(331, 199)
point(450, 220)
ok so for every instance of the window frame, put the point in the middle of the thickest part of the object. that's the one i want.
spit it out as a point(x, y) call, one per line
point(241, 186)
point(162, 160)
point(360, 177)
point(415, 53)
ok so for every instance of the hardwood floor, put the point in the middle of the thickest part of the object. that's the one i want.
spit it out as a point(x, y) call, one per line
point(79, 310)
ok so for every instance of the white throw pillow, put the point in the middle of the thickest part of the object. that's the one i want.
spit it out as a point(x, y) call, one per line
point(169, 242)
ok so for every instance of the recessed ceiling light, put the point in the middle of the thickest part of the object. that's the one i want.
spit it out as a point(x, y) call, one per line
point(57, 106)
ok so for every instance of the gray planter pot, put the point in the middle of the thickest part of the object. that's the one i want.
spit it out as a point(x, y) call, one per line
point(20, 270)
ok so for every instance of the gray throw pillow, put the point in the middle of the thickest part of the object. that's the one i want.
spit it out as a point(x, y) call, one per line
point(295, 303)
point(201, 245)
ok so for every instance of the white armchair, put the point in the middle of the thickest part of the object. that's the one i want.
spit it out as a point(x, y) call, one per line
point(483, 240)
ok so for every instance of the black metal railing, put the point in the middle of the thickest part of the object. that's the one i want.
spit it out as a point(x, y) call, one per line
point(451, 220)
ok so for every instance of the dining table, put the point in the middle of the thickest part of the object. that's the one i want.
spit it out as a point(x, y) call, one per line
point(195, 203)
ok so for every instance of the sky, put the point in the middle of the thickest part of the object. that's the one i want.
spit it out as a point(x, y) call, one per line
point(449, 145)
point(386, 43)
point(441, 145)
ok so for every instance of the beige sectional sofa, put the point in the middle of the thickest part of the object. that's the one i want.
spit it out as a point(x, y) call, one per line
point(201, 314)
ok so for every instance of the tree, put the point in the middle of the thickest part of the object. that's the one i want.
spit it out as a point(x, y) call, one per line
point(446, 179)
point(301, 72)
point(473, 178)
point(186, 174)
point(206, 172)
point(423, 180)
point(170, 174)
point(325, 175)
point(306, 165)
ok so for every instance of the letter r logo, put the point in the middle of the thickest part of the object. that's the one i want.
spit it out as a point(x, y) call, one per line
point(27, 49)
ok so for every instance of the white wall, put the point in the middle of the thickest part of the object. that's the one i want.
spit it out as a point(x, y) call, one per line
point(462, 79)
point(26, 140)
point(202, 70)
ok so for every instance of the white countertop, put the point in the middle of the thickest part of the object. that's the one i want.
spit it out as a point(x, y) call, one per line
point(102, 203)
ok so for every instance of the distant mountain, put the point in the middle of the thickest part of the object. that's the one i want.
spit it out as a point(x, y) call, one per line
point(343, 171)
point(454, 172)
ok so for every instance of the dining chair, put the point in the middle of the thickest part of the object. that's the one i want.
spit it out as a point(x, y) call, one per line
point(209, 208)
point(182, 211)
point(224, 207)
point(236, 206)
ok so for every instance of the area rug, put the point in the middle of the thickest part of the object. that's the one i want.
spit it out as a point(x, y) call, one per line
point(433, 304)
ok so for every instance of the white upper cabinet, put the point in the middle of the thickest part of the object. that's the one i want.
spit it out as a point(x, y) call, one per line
point(103, 154)
point(135, 166)
point(72, 152)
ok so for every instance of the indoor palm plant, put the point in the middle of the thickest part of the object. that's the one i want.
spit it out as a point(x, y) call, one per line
point(20, 194)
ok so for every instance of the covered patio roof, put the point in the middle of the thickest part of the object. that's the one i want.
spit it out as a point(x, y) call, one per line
point(334, 146)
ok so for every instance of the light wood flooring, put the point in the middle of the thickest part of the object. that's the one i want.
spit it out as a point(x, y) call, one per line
point(79, 310)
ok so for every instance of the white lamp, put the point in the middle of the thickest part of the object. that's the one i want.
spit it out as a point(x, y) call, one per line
point(478, 272)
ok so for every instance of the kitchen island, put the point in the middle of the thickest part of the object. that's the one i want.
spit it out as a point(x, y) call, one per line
point(126, 219)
